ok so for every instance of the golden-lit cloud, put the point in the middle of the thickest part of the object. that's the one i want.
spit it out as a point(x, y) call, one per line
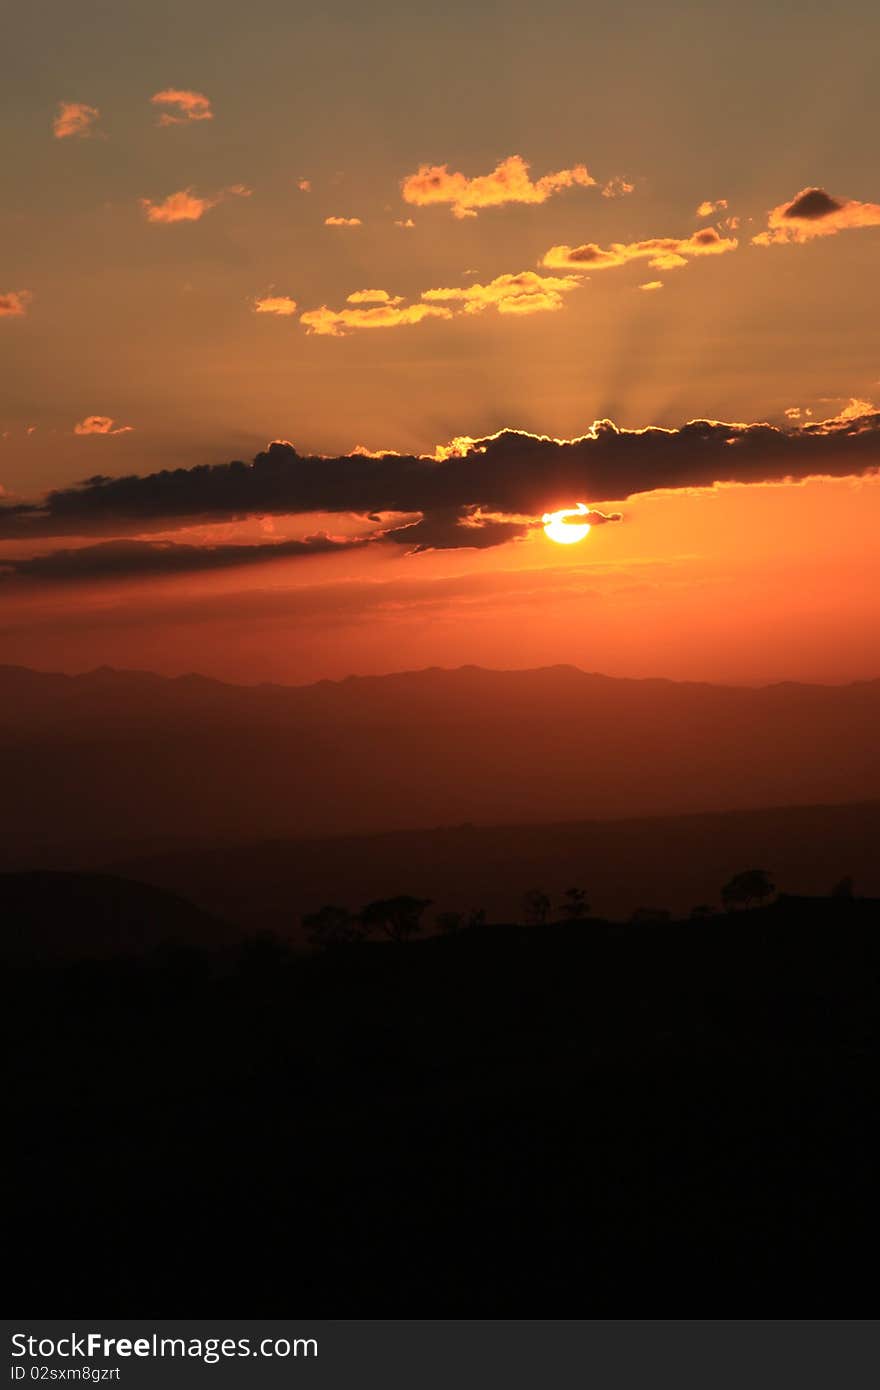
point(100, 424)
point(707, 207)
point(405, 222)
point(373, 297)
point(181, 106)
point(336, 322)
point(651, 285)
point(14, 303)
point(857, 415)
point(509, 182)
point(342, 222)
point(74, 118)
point(814, 213)
point(661, 253)
point(184, 206)
point(304, 185)
point(617, 187)
point(188, 206)
point(280, 304)
point(525, 293)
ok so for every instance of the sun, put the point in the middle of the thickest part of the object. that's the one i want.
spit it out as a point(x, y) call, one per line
point(565, 532)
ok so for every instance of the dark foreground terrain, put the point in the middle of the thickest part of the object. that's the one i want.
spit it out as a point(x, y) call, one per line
point(665, 1119)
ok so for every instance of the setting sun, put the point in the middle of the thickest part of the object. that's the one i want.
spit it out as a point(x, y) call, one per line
point(558, 528)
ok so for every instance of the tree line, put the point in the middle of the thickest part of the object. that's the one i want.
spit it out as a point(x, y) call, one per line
point(400, 918)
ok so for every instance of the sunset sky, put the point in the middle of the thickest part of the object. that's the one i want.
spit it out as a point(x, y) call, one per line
point(424, 252)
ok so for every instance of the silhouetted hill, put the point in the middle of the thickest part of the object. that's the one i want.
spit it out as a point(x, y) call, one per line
point(672, 862)
point(127, 755)
point(58, 916)
point(568, 1121)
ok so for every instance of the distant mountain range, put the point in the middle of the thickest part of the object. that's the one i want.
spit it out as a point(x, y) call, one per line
point(118, 758)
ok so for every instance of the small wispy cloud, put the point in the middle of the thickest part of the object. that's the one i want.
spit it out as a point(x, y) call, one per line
point(525, 293)
point(280, 304)
point(509, 182)
point(335, 323)
point(188, 206)
point(617, 187)
point(342, 222)
point(707, 207)
point(14, 303)
point(181, 106)
point(74, 118)
point(373, 297)
point(661, 253)
point(100, 424)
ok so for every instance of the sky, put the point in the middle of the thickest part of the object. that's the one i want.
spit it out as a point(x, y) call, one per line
point(464, 269)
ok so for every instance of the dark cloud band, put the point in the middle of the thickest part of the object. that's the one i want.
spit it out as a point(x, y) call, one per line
point(510, 477)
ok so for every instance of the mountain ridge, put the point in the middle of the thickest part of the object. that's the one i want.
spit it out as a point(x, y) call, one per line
point(124, 673)
point(126, 753)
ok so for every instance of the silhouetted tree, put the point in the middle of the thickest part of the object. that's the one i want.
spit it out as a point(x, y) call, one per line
point(645, 915)
point(331, 926)
point(574, 904)
point(536, 907)
point(751, 886)
point(450, 922)
point(477, 917)
point(844, 888)
point(700, 911)
point(399, 918)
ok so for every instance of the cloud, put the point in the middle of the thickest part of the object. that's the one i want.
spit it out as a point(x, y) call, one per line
point(342, 222)
point(509, 182)
point(406, 223)
point(661, 253)
point(525, 293)
point(136, 559)
point(707, 208)
point(100, 424)
point(814, 213)
point(336, 322)
point(651, 285)
point(507, 474)
point(456, 528)
point(617, 187)
point(304, 185)
point(183, 106)
point(74, 118)
point(280, 304)
point(373, 297)
point(187, 206)
point(14, 303)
